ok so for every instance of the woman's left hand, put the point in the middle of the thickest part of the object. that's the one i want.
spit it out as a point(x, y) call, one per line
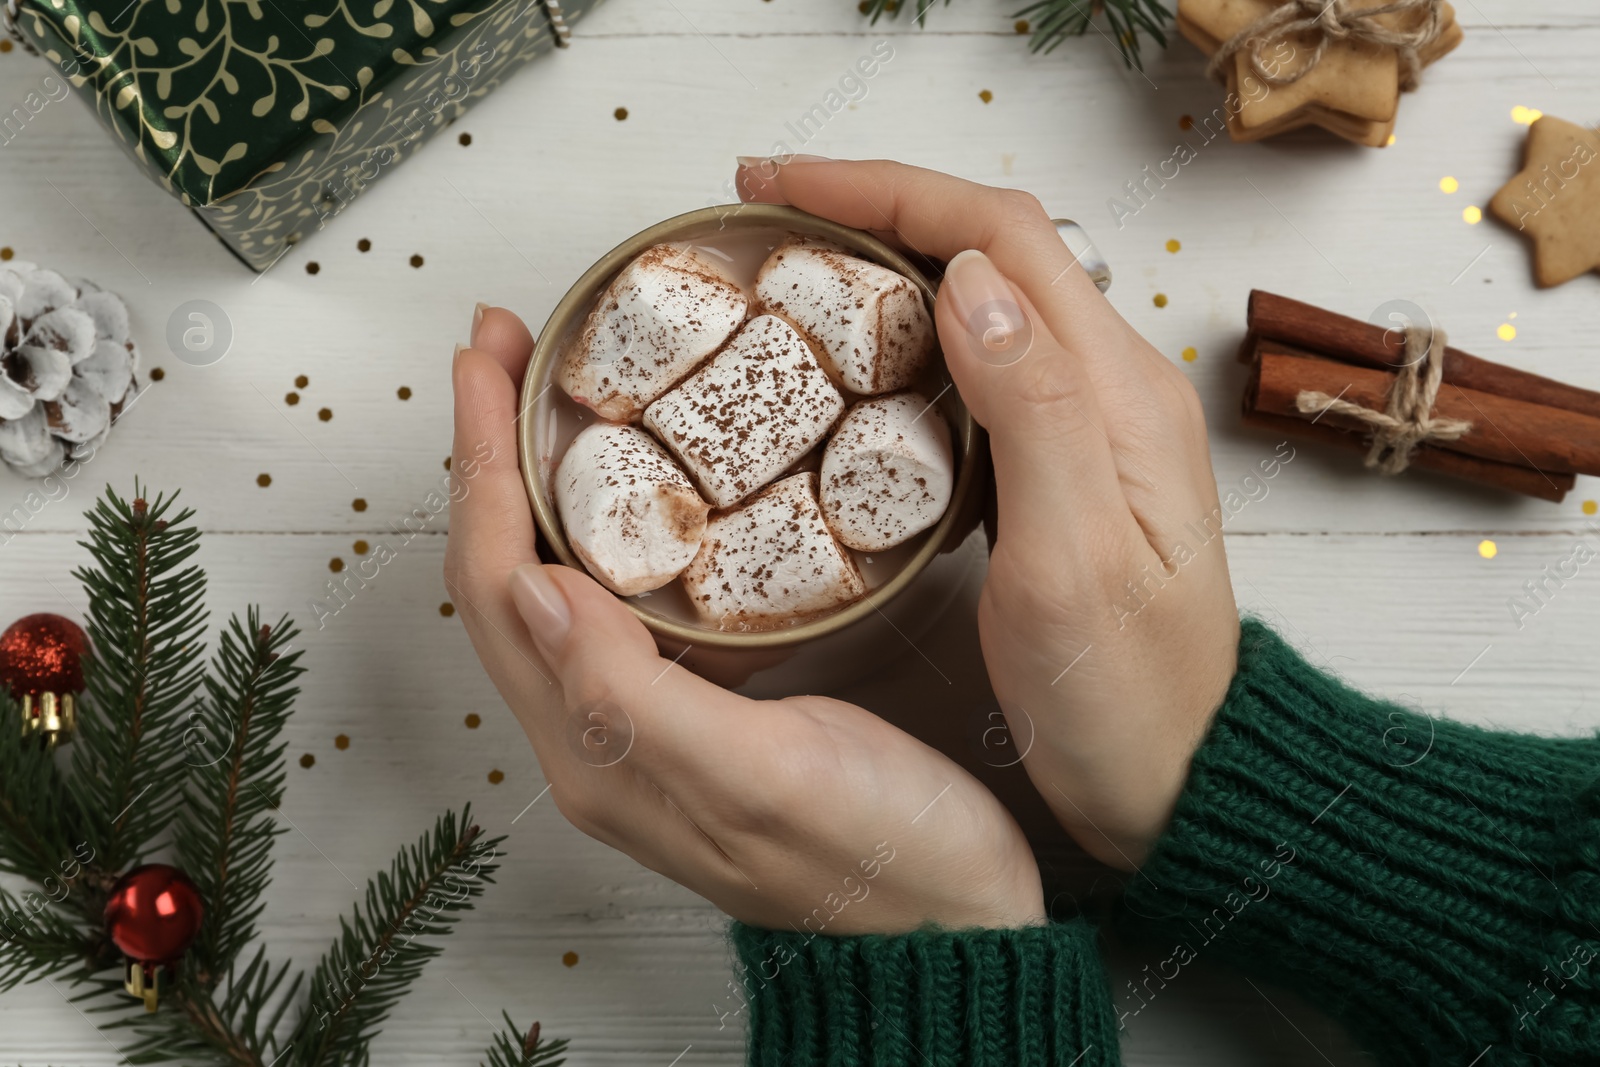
point(806, 812)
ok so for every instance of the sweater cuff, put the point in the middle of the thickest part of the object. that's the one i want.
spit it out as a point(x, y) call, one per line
point(1431, 884)
point(1035, 997)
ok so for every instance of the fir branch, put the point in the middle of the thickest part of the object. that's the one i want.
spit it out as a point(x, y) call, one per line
point(37, 815)
point(1053, 21)
point(226, 828)
point(36, 940)
point(146, 619)
point(1056, 20)
point(194, 1027)
point(378, 955)
point(514, 1047)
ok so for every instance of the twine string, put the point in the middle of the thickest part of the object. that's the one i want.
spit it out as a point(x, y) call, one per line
point(1331, 20)
point(1409, 420)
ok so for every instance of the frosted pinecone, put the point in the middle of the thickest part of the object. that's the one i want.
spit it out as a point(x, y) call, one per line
point(67, 366)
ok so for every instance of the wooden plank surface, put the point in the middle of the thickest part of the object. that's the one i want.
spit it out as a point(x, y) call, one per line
point(1381, 580)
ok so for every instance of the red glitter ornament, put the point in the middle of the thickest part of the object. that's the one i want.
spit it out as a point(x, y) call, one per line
point(153, 916)
point(41, 660)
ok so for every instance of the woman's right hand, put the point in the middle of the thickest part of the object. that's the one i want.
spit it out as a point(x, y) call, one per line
point(1107, 619)
point(805, 813)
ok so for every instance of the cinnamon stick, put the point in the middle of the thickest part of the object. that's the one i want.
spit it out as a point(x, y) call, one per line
point(1524, 480)
point(1503, 429)
point(1364, 344)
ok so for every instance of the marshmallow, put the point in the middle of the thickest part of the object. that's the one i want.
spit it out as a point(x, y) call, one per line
point(752, 410)
point(887, 472)
point(629, 513)
point(869, 323)
point(771, 562)
point(668, 310)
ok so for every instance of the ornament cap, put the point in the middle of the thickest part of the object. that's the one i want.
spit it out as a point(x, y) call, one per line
point(143, 980)
point(49, 717)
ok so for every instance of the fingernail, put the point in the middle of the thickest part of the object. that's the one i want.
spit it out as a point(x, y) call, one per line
point(477, 320)
point(542, 605)
point(998, 330)
point(779, 161)
point(456, 356)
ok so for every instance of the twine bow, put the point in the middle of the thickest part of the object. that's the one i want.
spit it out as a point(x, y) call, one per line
point(1331, 20)
point(1409, 420)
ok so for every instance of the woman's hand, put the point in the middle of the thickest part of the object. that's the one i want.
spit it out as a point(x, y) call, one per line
point(806, 813)
point(1107, 619)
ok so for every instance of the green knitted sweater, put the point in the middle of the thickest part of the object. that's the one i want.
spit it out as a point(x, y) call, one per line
point(1433, 885)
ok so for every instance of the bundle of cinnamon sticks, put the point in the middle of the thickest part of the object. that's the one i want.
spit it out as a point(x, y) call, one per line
point(1529, 434)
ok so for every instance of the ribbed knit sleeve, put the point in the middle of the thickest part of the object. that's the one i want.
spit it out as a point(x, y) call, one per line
point(1433, 885)
point(1033, 997)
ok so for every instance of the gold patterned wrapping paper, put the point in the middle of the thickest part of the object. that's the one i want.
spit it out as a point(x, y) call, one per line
point(267, 117)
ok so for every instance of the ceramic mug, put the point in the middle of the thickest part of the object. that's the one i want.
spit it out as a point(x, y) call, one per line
point(815, 655)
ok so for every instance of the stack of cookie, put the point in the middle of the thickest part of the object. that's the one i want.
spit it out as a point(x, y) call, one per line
point(1316, 62)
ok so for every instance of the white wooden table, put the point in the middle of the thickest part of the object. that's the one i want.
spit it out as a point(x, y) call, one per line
point(1382, 580)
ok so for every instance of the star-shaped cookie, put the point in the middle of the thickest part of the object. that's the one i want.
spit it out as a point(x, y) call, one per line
point(1555, 199)
point(1353, 91)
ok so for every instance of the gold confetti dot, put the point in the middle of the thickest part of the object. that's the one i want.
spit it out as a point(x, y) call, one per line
point(359, 503)
point(363, 245)
point(985, 95)
point(1488, 549)
point(313, 267)
point(570, 959)
point(336, 564)
point(865, 7)
point(1472, 215)
point(1448, 184)
point(156, 374)
point(1526, 116)
point(6, 253)
point(404, 392)
point(416, 260)
point(5, 46)
point(291, 399)
point(1021, 26)
point(447, 609)
point(301, 381)
point(465, 139)
point(308, 761)
point(341, 742)
point(1160, 300)
point(1506, 332)
point(1590, 507)
point(263, 480)
point(1190, 355)
point(447, 463)
point(473, 721)
point(496, 777)
point(326, 414)
point(361, 548)
point(1390, 141)
point(1174, 245)
point(621, 114)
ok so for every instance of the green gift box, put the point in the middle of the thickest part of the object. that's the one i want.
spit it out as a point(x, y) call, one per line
point(267, 117)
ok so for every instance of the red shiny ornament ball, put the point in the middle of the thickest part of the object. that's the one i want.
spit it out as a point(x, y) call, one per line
point(43, 654)
point(154, 914)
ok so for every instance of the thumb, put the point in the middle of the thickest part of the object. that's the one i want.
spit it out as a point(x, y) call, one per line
point(584, 633)
point(1055, 475)
point(604, 657)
